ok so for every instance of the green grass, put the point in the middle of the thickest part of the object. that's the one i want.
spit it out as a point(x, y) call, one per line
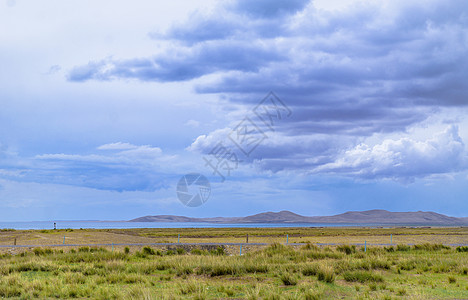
point(273, 272)
point(362, 276)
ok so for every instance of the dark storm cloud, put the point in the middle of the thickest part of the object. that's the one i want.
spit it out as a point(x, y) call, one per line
point(373, 68)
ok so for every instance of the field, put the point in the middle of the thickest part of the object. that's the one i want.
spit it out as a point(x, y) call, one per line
point(425, 270)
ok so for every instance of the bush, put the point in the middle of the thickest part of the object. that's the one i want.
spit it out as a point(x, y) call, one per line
point(362, 277)
point(127, 250)
point(462, 249)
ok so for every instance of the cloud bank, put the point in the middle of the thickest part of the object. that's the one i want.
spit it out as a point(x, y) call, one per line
point(372, 68)
point(116, 167)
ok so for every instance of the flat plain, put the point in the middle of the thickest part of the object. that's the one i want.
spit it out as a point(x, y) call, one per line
point(418, 264)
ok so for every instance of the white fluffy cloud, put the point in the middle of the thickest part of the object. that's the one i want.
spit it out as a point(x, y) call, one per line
point(404, 159)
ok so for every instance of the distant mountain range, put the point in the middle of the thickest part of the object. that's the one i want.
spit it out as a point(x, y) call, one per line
point(376, 216)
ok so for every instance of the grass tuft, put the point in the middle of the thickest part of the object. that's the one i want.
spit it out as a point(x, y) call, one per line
point(288, 279)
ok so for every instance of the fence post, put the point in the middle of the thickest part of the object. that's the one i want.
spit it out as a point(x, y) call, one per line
point(391, 238)
point(240, 250)
point(247, 238)
point(287, 238)
point(15, 242)
point(365, 246)
point(64, 240)
point(112, 247)
point(178, 239)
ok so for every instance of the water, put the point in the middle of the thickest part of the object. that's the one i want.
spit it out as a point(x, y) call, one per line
point(123, 225)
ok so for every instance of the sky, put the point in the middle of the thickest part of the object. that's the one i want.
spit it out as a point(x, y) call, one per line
point(317, 107)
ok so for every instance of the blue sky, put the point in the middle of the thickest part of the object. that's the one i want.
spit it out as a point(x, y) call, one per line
point(104, 106)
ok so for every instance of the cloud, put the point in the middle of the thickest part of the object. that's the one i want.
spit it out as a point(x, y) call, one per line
point(192, 123)
point(117, 146)
point(53, 69)
point(182, 64)
point(373, 68)
point(268, 8)
point(122, 167)
point(404, 159)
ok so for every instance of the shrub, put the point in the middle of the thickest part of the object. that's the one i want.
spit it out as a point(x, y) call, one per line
point(452, 279)
point(462, 249)
point(127, 250)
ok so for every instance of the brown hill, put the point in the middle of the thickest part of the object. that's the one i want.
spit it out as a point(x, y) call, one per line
point(376, 217)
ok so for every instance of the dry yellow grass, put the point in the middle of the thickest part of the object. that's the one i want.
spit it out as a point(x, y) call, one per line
point(450, 235)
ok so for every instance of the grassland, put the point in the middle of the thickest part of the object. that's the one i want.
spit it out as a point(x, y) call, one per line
point(451, 235)
point(422, 271)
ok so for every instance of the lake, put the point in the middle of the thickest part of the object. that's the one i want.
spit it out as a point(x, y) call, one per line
point(123, 224)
